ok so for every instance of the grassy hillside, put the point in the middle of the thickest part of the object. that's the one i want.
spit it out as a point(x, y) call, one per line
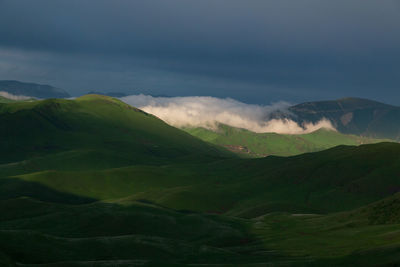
point(91, 123)
point(338, 179)
point(126, 233)
point(79, 148)
point(367, 236)
point(94, 181)
point(254, 144)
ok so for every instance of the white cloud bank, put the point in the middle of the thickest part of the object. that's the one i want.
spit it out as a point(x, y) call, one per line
point(207, 112)
point(14, 97)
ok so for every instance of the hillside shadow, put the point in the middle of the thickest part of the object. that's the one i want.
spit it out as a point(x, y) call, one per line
point(14, 188)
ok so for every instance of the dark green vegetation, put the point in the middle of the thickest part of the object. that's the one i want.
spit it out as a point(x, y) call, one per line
point(31, 89)
point(254, 144)
point(352, 116)
point(93, 131)
point(94, 181)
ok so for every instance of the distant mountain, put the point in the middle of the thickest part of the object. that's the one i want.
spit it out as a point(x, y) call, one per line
point(32, 89)
point(352, 116)
point(253, 144)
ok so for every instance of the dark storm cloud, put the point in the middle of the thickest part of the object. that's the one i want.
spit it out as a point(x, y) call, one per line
point(267, 49)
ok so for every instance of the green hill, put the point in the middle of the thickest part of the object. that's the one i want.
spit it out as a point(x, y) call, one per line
point(95, 182)
point(367, 236)
point(338, 179)
point(253, 144)
point(113, 133)
point(108, 234)
point(386, 211)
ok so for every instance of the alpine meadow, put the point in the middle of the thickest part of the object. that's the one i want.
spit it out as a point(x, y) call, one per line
point(209, 133)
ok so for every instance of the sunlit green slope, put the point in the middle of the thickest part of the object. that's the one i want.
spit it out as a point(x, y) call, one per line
point(93, 130)
point(95, 182)
point(254, 144)
point(335, 180)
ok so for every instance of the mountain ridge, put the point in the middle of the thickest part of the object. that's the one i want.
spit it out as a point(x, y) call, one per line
point(351, 116)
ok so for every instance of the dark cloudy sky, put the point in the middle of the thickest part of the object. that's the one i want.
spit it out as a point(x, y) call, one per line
point(256, 51)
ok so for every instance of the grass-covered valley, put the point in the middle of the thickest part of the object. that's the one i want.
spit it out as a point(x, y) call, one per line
point(96, 182)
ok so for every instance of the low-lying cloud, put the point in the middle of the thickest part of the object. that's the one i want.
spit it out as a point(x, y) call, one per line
point(208, 112)
point(14, 97)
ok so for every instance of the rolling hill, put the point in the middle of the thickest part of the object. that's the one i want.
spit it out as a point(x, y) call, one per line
point(96, 182)
point(253, 144)
point(32, 89)
point(89, 124)
point(232, 211)
point(334, 180)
